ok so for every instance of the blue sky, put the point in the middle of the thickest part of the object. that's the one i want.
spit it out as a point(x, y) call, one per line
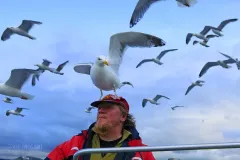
point(79, 32)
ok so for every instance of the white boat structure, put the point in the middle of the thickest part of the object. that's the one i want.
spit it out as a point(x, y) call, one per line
point(158, 148)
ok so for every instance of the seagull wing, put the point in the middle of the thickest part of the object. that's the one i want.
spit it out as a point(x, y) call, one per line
point(188, 38)
point(224, 23)
point(164, 52)
point(144, 102)
point(60, 67)
point(8, 99)
point(225, 55)
point(139, 11)
point(83, 68)
point(19, 77)
point(157, 97)
point(19, 109)
point(229, 61)
point(195, 42)
point(190, 88)
point(206, 67)
point(6, 34)
point(211, 36)
point(46, 62)
point(120, 41)
point(200, 81)
point(206, 29)
point(26, 25)
point(144, 61)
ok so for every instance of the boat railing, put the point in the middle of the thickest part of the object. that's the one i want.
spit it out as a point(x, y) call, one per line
point(158, 148)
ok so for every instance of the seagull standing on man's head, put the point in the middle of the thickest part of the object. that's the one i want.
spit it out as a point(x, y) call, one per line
point(104, 72)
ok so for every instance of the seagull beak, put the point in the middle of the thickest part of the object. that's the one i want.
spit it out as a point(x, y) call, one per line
point(106, 62)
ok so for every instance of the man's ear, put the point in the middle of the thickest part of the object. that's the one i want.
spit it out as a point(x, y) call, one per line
point(124, 117)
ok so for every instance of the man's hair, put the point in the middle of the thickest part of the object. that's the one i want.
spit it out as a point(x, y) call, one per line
point(130, 121)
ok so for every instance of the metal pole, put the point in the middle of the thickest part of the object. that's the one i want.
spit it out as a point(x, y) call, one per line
point(157, 148)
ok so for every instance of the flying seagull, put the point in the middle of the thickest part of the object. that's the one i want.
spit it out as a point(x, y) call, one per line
point(197, 83)
point(222, 25)
point(157, 59)
point(12, 87)
point(235, 60)
point(59, 68)
point(22, 30)
point(16, 112)
point(173, 108)
point(7, 100)
point(204, 42)
point(223, 64)
point(186, 3)
point(104, 72)
point(88, 110)
point(200, 35)
point(153, 101)
point(143, 5)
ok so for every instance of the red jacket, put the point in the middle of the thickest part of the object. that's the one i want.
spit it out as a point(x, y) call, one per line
point(83, 140)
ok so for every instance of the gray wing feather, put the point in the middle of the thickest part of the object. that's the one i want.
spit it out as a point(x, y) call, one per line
point(144, 61)
point(6, 34)
point(224, 23)
point(164, 52)
point(195, 42)
point(206, 29)
point(189, 88)
point(19, 109)
point(139, 11)
point(188, 38)
point(206, 67)
point(26, 25)
point(211, 36)
point(225, 55)
point(19, 77)
point(157, 97)
point(60, 67)
point(229, 61)
point(120, 41)
point(144, 102)
point(83, 68)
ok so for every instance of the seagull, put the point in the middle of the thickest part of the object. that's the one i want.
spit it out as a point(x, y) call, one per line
point(88, 110)
point(104, 72)
point(222, 25)
point(173, 108)
point(223, 64)
point(153, 101)
point(16, 112)
point(59, 68)
point(235, 60)
point(197, 83)
point(200, 35)
point(157, 59)
point(143, 5)
point(7, 100)
point(22, 30)
point(204, 42)
point(186, 3)
point(12, 87)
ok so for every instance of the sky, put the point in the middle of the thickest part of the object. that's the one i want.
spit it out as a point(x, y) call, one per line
point(79, 32)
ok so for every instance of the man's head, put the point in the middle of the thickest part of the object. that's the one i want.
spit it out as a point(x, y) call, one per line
point(113, 112)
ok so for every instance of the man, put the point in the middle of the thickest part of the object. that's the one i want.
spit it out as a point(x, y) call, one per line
point(114, 127)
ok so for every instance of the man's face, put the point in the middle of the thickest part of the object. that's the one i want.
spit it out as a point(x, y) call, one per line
point(109, 115)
